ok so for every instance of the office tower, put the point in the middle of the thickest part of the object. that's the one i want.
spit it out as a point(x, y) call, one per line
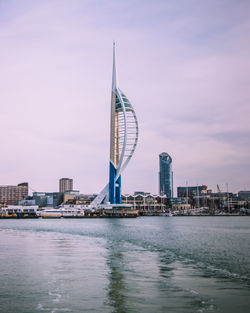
point(165, 175)
point(65, 184)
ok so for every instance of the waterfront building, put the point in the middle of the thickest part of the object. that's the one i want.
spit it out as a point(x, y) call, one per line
point(146, 202)
point(191, 191)
point(141, 193)
point(181, 208)
point(10, 195)
point(48, 199)
point(27, 201)
point(244, 195)
point(79, 199)
point(70, 195)
point(65, 184)
point(165, 175)
point(123, 141)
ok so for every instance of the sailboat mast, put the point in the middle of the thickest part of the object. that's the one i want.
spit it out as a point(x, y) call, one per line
point(198, 200)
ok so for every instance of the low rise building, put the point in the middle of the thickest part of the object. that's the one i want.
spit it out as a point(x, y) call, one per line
point(146, 202)
point(70, 195)
point(48, 199)
point(190, 191)
point(79, 199)
point(244, 195)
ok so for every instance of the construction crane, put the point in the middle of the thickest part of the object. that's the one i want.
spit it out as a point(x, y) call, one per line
point(218, 189)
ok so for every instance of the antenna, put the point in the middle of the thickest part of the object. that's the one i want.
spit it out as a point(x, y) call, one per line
point(114, 78)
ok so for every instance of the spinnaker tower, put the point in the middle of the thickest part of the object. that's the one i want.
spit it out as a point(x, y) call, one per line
point(123, 141)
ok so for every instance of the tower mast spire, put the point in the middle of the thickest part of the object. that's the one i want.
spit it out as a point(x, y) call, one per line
point(114, 78)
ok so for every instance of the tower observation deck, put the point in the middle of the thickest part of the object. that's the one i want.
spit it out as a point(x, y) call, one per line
point(123, 141)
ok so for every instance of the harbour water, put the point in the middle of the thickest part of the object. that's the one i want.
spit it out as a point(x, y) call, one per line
point(147, 264)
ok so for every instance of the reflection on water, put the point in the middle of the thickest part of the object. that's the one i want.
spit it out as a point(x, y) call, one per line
point(116, 279)
point(115, 262)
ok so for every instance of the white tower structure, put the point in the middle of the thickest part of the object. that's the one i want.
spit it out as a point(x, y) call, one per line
point(123, 141)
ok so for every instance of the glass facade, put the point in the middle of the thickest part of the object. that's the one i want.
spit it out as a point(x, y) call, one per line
point(45, 199)
point(127, 104)
point(165, 175)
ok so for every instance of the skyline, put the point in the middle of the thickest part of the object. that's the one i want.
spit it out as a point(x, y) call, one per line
point(185, 70)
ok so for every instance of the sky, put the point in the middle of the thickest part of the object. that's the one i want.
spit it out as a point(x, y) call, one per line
point(184, 65)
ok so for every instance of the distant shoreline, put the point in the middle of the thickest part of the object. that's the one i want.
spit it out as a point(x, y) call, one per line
point(101, 217)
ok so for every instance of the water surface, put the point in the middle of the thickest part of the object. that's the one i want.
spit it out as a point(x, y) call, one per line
point(148, 264)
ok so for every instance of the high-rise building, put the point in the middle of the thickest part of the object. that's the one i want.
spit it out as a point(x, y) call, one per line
point(10, 195)
point(165, 175)
point(123, 141)
point(65, 184)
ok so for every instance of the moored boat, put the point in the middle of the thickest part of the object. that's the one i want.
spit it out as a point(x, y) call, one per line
point(51, 213)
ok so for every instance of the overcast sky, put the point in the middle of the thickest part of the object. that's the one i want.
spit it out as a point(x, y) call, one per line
point(184, 65)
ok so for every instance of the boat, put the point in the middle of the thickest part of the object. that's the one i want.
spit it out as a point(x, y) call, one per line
point(166, 214)
point(72, 213)
point(51, 213)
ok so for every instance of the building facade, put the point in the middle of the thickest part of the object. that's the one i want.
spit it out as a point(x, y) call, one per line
point(10, 195)
point(70, 195)
point(165, 175)
point(191, 191)
point(65, 184)
point(244, 195)
point(145, 202)
point(79, 199)
point(48, 199)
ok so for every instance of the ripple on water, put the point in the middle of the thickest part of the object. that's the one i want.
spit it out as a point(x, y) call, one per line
point(134, 265)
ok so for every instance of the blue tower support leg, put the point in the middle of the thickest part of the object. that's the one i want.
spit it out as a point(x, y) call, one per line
point(112, 175)
point(118, 197)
